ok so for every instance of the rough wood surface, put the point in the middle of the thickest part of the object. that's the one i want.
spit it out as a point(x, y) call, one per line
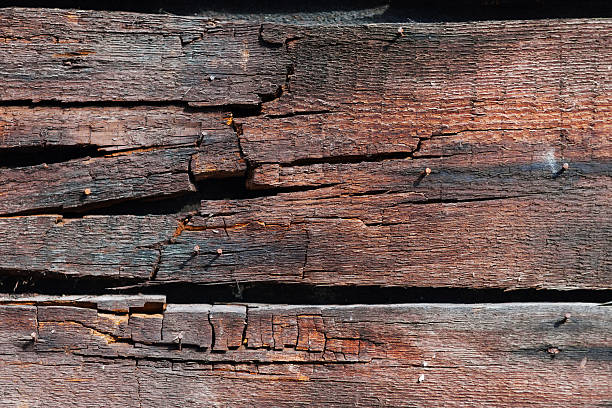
point(82, 56)
point(109, 128)
point(358, 155)
point(170, 154)
point(109, 246)
point(256, 355)
point(555, 241)
point(387, 239)
point(86, 182)
point(144, 152)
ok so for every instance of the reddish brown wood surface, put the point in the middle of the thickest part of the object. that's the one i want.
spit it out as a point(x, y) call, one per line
point(253, 355)
point(432, 158)
point(185, 156)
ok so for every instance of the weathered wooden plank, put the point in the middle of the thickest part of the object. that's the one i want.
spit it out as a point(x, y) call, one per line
point(435, 79)
point(82, 56)
point(357, 355)
point(556, 241)
point(369, 90)
point(103, 303)
point(93, 181)
point(159, 148)
point(110, 128)
point(364, 110)
point(467, 165)
point(110, 246)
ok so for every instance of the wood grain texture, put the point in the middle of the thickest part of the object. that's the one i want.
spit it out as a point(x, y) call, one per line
point(83, 56)
point(466, 165)
point(430, 158)
point(109, 128)
point(470, 155)
point(396, 239)
point(108, 246)
point(556, 238)
point(367, 90)
point(86, 182)
point(359, 355)
point(144, 152)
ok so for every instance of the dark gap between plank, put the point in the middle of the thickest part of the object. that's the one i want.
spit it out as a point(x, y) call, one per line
point(344, 11)
point(279, 293)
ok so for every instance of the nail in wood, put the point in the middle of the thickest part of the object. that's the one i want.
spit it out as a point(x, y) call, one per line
point(561, 170)
point(179, 339)
point(423, 174)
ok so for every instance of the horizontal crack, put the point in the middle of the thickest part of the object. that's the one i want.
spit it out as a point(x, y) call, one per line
point(299, 113)
point(347, 159)
point(290, 293)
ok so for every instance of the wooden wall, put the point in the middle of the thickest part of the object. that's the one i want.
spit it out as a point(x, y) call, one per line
point(147, 160)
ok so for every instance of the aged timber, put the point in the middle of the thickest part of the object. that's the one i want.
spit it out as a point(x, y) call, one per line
point(117, 352)
point(471, 155)
point(166, 154)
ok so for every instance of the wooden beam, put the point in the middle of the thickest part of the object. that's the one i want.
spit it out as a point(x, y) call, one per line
point(358, 355)
point(447, 155)
point(85, 56)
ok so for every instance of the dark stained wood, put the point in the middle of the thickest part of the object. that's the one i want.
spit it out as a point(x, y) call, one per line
point(355, 115)
point(393, 239)
point(90, 181)
point(469, 155)
point(357, 355)
point(109, 246)
point(465, 165)
point(348, 91)
point(366, 90)
point(390, 239)
point(110, 128)
point(157, 150)
point(82, 56)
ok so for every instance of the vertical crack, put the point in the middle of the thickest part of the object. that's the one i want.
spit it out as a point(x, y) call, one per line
point(212, 328)
point(37, 324)
point(182, 224)
point(138, 388)
point(155, 269)
point(243, 342)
